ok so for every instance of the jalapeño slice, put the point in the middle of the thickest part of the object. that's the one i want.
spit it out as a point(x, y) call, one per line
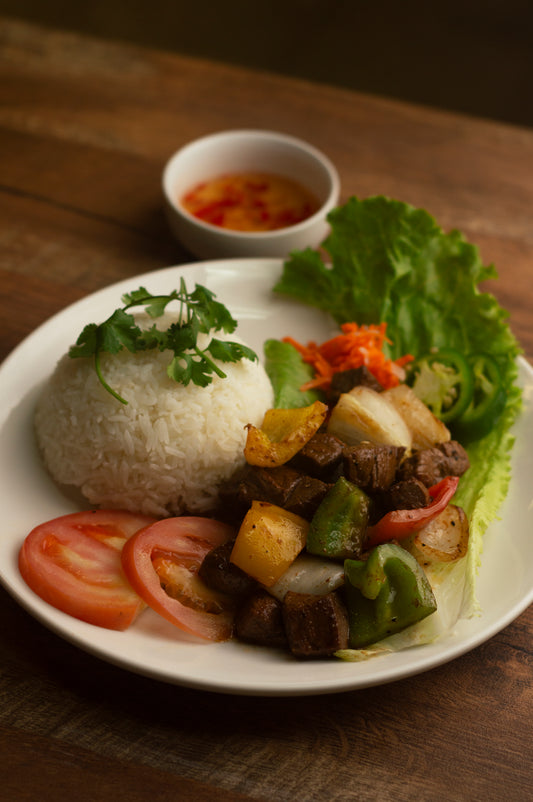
point(444, 381)
point(488, 400)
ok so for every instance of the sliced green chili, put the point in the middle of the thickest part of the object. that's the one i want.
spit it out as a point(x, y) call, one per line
point(488, 400)
point(444, 382)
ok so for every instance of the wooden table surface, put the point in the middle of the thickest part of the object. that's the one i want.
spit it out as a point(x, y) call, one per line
point(85, 129)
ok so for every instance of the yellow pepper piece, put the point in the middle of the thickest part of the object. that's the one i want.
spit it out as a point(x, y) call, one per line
point(269, 540)
point(282, 434)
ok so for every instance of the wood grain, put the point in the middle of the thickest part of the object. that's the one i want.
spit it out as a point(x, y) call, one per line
point(450, 721)
point(58, 772)
point(85, 129)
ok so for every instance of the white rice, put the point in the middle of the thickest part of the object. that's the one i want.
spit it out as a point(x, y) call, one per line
point(164, 453)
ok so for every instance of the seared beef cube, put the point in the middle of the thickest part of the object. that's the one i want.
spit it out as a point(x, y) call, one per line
point(320, 457)
point(220, 574)
point(305, 496)
point(259, 620)
point(426, 465)
point(372, 467)
point(283, 486)
point(316, 626)
point(430, 465)
point(457, 461)
point(259, 484)
point(272, 484)
point(346, 380)
point(408, 494)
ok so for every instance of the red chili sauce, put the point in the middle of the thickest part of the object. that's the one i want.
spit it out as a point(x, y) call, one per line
point(250, 202)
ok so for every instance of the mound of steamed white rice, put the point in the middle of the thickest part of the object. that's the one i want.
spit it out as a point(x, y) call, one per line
point(164, 453)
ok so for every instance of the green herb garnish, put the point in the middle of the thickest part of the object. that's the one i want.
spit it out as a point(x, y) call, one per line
point(199, 313)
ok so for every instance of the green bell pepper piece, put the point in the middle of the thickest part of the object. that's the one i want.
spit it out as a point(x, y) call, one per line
point(385, 594)
point(339, 525)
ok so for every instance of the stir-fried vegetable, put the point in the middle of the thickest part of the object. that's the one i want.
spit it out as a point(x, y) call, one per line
point(399, 524)
point(269, 540)
point(444, 539)
point(282, 434)
point(339, 525)
point(309, 574)
point(385, 594)
point(364, 414)
point(426, 429)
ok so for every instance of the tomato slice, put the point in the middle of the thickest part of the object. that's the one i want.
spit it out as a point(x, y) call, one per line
point(73, 563)
point(162, 562)
point(399, 524)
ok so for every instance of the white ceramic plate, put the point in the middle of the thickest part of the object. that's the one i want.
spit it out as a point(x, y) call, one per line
point(151, 646)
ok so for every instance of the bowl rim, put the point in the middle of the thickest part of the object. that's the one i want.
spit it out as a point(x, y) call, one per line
point(255, 133)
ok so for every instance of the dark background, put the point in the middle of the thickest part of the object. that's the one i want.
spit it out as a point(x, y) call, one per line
point(463, 55)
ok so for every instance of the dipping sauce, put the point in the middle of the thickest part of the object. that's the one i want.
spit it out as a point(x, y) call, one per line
point(250, 202)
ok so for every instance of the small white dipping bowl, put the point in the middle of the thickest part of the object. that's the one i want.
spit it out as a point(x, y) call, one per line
point(248, 151)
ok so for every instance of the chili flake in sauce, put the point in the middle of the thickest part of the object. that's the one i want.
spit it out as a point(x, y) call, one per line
point(250, 202)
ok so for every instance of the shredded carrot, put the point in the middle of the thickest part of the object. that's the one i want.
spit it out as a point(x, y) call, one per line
point(355, 347)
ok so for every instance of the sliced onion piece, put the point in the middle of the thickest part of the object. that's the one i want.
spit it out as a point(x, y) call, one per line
point(444, 539)
point(309, 574)
point(426, 429)
point(366, 415)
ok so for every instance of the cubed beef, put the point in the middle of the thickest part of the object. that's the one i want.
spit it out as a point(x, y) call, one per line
point(372, 467)
point(220, 574)
point(408, 494)
point(320, 457)
point(305, 496)
point(345, 380)
point(316, 626)
point(258, 484)
point(259, 620)
point(426, 465)
point(430, 465)
point(283, 486)
point(457, 461)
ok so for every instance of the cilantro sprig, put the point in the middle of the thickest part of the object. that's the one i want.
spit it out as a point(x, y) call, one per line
point(199, 313)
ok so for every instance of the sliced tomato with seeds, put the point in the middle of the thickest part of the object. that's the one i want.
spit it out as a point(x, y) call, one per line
point(162, 561)
point(73, 563)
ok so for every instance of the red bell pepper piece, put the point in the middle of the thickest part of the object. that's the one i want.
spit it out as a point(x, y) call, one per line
point(399, 524)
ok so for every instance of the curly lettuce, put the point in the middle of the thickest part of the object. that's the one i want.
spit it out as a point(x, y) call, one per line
point(390, 262)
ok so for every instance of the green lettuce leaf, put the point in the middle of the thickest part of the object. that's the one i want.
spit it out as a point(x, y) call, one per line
point(287, 373)
point(390, 262)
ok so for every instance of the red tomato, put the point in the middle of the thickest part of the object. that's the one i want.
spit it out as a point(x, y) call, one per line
point(162, 562)
point(73, 563)
point(399, 524)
